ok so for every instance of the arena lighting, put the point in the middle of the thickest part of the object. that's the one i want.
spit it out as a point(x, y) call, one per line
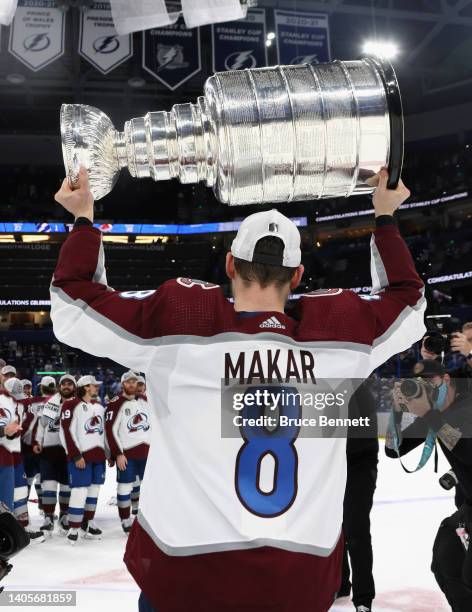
point(385, 49)
point(50, 373)
point(15, 78)
point(7, 238)
point(136, 82)
point(271, 36)
point(150, 239)
point(35, 237)
point(122, 239)
point(268, 43)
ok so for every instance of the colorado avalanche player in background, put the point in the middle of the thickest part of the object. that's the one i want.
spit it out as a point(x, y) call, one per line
point(207, 537)
point(128, 433)
point(52, 457)
point(83, 437)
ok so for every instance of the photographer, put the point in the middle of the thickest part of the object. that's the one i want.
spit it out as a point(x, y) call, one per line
point(445, 338)
point(442, 405)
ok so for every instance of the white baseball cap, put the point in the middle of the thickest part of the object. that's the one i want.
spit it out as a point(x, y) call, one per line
point(67, 377)
point(47, 381)
point(141, 379)
point(129, 376)
point(8, 369)
point(26, 382)
point(268, 223)
point(88, 379)
point(14, 386)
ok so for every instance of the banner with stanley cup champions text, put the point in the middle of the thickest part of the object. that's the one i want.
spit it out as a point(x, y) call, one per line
point(172, 54)
point(99, 42)
point(37, 33)
point(240, 44)
point(302, 38)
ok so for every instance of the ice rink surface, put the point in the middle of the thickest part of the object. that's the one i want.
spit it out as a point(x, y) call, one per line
point(407, 511)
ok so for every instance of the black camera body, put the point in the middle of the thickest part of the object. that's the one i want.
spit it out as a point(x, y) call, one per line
point(440, 331)
point(13, 538)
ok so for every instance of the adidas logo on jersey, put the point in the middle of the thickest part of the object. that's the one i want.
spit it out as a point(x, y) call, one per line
point(272, 322)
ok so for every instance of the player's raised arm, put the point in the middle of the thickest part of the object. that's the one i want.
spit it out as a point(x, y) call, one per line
point(397, 299)
point(85, 312)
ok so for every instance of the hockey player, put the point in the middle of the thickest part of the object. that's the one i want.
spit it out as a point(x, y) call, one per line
point(9, 428)
point(20, 496)
point(33, 409)
point(27, 388)
point(8, 371)
point(128, 433)
point(52, 458)
point(82, 435)
point(141, 387)
point(136, 491)
point(208, 537)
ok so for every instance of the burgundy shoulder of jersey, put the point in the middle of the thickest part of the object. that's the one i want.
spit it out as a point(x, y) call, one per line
point(193, 307)
point(142, 396)
point(70, 404)
point(115, 403)
point(334, 314)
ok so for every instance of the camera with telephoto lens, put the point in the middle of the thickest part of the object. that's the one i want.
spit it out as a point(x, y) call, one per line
point(448, 480)
point(440, 331)
point(13, 538)
point(413, 388)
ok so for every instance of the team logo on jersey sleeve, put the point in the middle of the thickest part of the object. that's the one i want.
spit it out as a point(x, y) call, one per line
point(94, 425)
point(137, 295)
point(138, 421)
point(193, 282)
point(5, 416)
point(322, 292)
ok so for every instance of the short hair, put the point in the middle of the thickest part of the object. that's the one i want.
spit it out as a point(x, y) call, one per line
point(265, 274)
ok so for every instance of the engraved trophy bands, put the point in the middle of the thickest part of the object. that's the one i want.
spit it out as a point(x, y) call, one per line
point(264, 135)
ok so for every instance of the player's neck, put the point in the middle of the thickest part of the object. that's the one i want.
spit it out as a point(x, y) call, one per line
point(256, 299)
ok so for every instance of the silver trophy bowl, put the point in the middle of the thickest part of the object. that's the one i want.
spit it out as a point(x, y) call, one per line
point(257, 136)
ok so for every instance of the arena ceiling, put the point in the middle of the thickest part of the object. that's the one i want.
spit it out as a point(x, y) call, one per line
point(434, 69)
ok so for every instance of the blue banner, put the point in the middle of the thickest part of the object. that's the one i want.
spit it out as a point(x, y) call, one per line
point(131, 228)
point(172, 54)
point(240, 44)
point(302, 38)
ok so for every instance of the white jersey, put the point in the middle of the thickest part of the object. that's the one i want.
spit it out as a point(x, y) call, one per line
point(207, 493)
point(82, 429)
point(9, 413)
point(33, 410)
point(47, 429)
point(128, 427)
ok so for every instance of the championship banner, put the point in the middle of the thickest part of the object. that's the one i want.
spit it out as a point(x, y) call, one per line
point(240, 44)
point(302, 38)
point(99, 42)
point(172, 54)
point(37, 33)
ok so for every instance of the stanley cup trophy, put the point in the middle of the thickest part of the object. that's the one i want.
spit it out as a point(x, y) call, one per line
point(262, 135)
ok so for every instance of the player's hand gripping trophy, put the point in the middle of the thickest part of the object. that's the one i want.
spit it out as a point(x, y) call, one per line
point(263, 135)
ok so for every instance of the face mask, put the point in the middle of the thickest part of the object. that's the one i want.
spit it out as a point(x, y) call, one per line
point(440, 395)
